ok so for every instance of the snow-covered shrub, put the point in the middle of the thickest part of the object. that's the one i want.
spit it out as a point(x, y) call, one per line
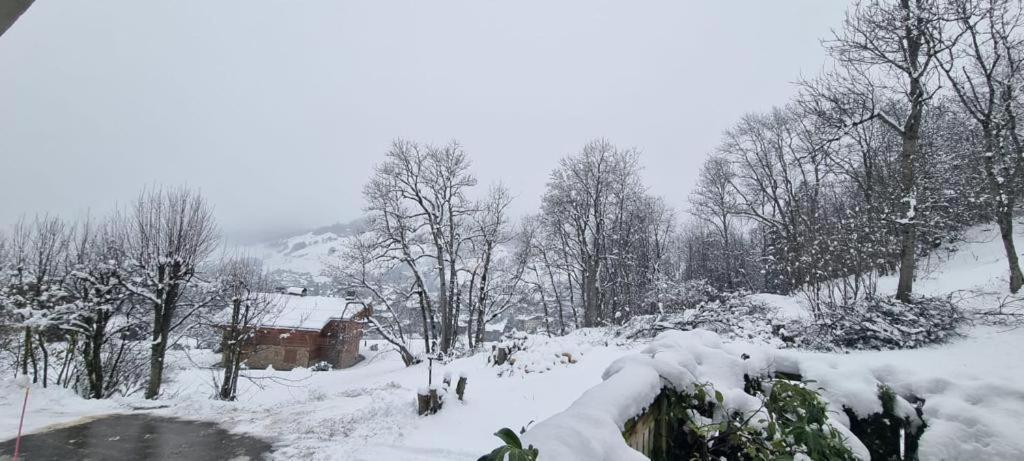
point(693, 395)
point(524, 353)
point(686, 295)
point(884, 323)
point(732, 315)
point(794, 423)
point(321, 366)
point(316, 395)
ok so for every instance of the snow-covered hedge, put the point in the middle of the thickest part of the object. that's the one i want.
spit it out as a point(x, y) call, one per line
point(873, 323)
point(732, 315)
point(690, 363)
point(884, 323)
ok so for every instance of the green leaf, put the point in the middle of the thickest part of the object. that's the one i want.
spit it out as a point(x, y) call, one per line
point(498, 454)
point(719, 397)
point(509, 437)
point(519, 455)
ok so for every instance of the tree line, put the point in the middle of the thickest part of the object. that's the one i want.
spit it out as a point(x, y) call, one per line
point(113, 294)
point(908, 137)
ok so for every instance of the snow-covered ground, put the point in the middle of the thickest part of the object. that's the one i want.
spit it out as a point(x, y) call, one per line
point(974, 387)
point(366, 412)
point(304, 253)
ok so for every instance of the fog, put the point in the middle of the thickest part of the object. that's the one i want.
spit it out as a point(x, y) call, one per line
point(278, 110)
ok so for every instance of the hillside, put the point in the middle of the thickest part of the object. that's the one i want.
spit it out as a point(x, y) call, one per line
point(303, 254)
point(971, 386)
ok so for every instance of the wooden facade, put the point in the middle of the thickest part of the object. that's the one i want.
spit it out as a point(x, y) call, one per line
point(337, 343)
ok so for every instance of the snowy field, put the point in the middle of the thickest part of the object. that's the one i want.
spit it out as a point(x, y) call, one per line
point(973, 387)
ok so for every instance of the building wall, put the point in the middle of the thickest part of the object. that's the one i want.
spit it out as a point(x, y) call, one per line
point(284, 349)
point(340, 345)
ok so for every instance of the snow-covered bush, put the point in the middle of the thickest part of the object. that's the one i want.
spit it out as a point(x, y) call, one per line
point(522, 353)
point(884, 323)
point(794, 423)
point(867, 323)
point(732, 315)
point(686, 295)
point(706, 398)
point(321, 366)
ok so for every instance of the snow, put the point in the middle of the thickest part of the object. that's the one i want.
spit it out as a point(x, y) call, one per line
point(306, 253)
point(683, 361)
point(366, 412)
point(46, 407)
point(309, 312)
point(972, 389)
point(785, 308)
point(575, 409)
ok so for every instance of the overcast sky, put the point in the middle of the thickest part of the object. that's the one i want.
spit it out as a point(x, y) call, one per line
point(277, 110)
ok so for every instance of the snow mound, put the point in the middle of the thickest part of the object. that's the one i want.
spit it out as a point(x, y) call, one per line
point(591, 428)
point(47, 407)
point(540, 354)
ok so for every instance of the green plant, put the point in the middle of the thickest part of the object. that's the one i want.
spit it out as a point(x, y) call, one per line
point(792, 420)
point(799, 419)
point(512, 450)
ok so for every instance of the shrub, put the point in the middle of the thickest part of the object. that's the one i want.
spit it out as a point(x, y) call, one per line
point(793, 422)
point(885, 323)
point(321, 366)
point(512, 450)
point(732, 315)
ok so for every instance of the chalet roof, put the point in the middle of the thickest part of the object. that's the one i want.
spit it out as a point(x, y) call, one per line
point(310, 312)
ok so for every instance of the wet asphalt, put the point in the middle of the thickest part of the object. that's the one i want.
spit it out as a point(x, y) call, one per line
point(137, 437)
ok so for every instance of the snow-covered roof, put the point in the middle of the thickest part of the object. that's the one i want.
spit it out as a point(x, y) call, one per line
point(310, 312)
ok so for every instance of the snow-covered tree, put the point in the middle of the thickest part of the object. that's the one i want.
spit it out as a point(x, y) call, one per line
point(168, 235)
point(33, 291)
point(101, 314)
point(244, 286)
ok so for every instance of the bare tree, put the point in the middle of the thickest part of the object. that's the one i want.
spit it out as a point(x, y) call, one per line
point(38, 255)
point(610, 233)
point(365, 266)
point(102, 311)
point(491, 230)
point(889, 51)
point(417, 200)
point(169, 234)
point(984, 71)
point(245, 287)
point(576, 209)
point(715, 202)
point(543, 273)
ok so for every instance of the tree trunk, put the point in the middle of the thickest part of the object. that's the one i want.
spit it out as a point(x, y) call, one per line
point(910, 150)
point(157, 351)
point(908, 223)
point(590, 301)
point(158, 348)
point(1006, 231)
point(46, 356)
point(26, 351)
point(231, 350)
point(93, 359)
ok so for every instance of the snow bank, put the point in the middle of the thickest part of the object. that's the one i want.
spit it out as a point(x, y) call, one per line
point(540, 354)
point(591, 428)
point(972, 392)
point(50, 406)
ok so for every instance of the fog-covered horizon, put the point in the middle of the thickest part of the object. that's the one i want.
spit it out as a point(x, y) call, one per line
point(277, 111)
